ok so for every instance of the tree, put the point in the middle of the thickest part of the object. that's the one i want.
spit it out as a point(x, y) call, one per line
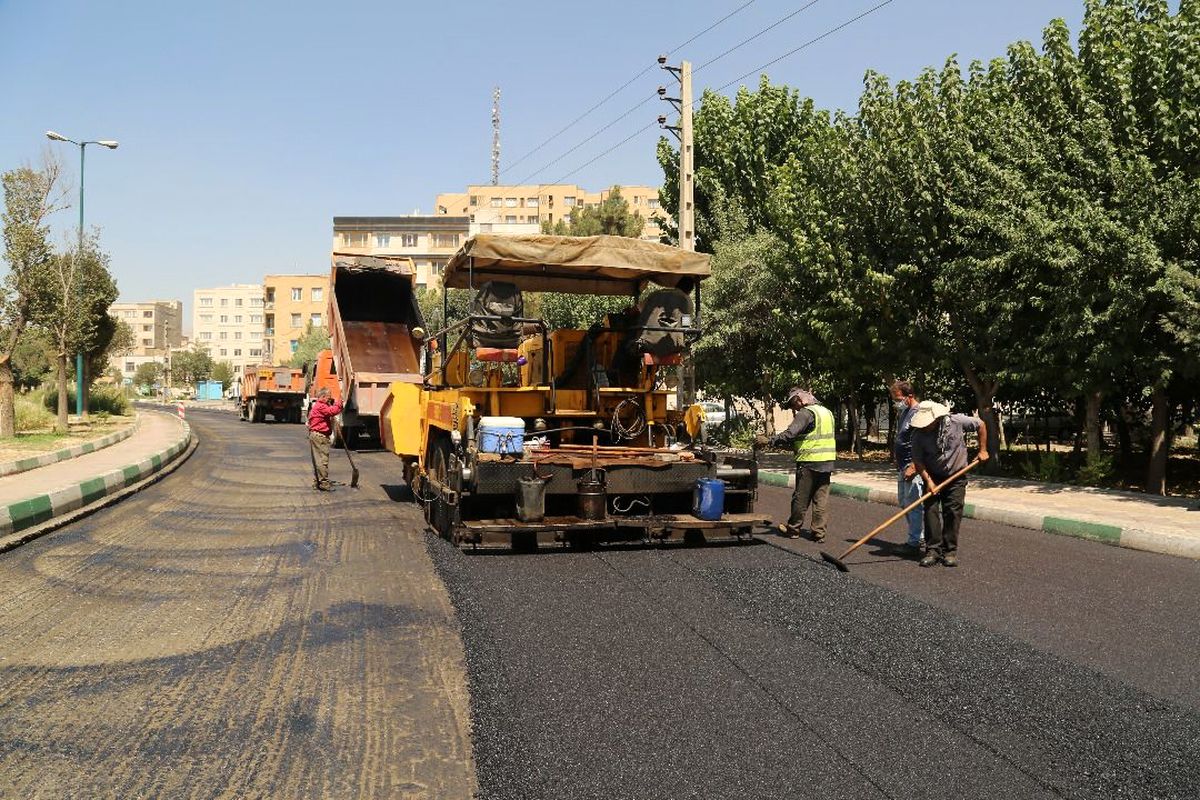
point(75, 309)
point(223, 372)
point(114, 339)
point(30, 196)
point(147, 374)
point(611, 216)
point(189, 367)
point(32, 360)
point(313, 341)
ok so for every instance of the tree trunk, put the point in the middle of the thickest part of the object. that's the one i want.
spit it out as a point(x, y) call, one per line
point(1002, 442)
point(852, 423)
point(87, 390)
point(1156, 469)
point(768, 412)
point(61, 424)
point(8, 411)
point(985, 399)
point(1123, 439)
point(873, 421)
point(1095, 442)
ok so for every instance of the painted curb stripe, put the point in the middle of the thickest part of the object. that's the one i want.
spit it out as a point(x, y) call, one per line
point(92, 490)
point(33, 462)
point(28, 513)
point(1110, 534)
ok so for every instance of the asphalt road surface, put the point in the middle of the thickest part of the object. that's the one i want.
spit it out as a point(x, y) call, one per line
point(230, 633)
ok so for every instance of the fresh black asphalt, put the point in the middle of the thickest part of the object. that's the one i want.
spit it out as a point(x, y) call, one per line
point(751, 672)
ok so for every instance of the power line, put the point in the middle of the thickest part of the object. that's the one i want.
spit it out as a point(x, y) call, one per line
point(767, 29)
point(770, 63)
point(623, 87)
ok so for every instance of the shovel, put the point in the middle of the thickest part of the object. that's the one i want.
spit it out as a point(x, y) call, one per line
point(837, 561)
point(353, 469)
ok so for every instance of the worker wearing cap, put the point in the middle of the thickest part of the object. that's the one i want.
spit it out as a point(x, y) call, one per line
point(320, 431)
point(939, 450)
point(811, 434)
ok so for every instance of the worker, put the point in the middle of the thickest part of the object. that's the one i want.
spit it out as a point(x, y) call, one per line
point(811, 433)
point(939, 450)
point(320, 431)
point(908, 482)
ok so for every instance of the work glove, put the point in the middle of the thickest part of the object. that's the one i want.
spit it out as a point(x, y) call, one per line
point(761, 441)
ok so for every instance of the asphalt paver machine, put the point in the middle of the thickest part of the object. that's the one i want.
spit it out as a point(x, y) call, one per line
point(520, 435)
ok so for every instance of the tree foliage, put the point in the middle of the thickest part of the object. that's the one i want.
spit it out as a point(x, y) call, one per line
point(1025, 226)
point(611, 216)
point(147, 374)
point(313, 341)
point(189, 367)
point(223, 371)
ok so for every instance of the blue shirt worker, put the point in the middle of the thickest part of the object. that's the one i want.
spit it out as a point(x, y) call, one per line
point(909, 483)
point(939, 450)
point(811, 434)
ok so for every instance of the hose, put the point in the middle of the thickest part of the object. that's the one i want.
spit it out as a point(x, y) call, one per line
point(620, 430)
point(644, 500)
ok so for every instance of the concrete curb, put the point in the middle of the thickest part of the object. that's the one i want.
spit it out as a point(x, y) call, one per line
point(33, 462)
point(1134, 538)
point(42, 508)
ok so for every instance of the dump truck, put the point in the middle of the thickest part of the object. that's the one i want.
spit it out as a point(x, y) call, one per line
point(375, 331)
point(278, 391)
point(520, 435)
point(320, 375)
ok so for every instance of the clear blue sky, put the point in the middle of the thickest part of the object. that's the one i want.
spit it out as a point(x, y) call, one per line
point(246, 126)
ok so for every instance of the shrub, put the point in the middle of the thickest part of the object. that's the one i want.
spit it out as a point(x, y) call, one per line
point(31, 415)
point(109, 399)
point(736, 432)
point(1046, 467)
point(1097, 471)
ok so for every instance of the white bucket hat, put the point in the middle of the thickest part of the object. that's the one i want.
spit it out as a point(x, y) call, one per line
point(927, 413)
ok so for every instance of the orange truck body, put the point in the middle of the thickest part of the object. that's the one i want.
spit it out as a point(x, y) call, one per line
point(278, 391)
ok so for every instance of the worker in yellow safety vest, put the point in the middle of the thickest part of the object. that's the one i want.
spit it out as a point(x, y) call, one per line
point(811, 433)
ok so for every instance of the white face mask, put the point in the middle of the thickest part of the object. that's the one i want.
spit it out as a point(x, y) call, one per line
point(900, 404)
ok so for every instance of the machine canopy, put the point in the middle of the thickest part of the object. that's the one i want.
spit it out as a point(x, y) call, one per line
point(604, 265)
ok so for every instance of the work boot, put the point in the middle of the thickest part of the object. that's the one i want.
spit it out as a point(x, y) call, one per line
point(789, 531)
point(950, 560)
point(818, 537)
point(325, 486)
point(930, 559)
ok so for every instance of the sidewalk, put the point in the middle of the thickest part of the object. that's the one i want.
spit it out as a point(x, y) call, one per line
point(1127, 519)
point(34, 497)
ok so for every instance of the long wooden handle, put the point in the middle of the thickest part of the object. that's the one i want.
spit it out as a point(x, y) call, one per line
point(909, 508)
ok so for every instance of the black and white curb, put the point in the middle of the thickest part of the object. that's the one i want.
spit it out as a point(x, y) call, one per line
point(65, 499)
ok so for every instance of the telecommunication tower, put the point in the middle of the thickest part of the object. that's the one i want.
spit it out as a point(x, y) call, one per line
point(496, 136)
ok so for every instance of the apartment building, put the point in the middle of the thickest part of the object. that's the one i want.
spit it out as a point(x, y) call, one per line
point(429, 241)
point(290, 304)
point(229, 322)
point(534, 204)
point(156, 324)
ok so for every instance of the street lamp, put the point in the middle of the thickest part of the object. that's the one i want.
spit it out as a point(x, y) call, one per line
point(111, 145)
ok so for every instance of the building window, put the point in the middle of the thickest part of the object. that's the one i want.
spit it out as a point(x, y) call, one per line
point(315, 319)
point(237, 369)
point(238, 302)
point(408, 240)
point(296, 321)
point(237, 318)
point(147, 342)
point(206, 317)
point(354, 238)
point(130, 366)
point(237, 334)
point(294, 344)
point(224, 302)
point(531, 202)
point(383, 240)
point(474, 199)
point(651, 202)
point(637, 200)
point(256, 302)
point(318, 294)
point(255, 335)
point(130, 314)
point(147, 328)
point(206, 302)
point(510, 202)
point(495, 202)
point(224, 352)
point(445, 240)
point(223, 335)
point(255, 352)
point(237, 352)
point(511, 219)
point(256, 319)
point(148, 314)
point(297, 294)
point(568, 201)
point(438, 266)
point(206, 335)
point(224, 318)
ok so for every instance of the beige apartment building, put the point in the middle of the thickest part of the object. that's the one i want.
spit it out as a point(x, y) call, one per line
point(429, 241)
point(486, 205)
point(290, 304)
point(228, 322)
point(156, 324)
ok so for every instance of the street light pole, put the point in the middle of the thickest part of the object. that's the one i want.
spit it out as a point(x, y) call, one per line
point(111, 145)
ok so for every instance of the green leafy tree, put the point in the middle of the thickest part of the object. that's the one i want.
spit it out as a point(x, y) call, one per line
point(189, 367)
point(147, 374)
point(223, 372)
point(30, 196)
point(611, 216)
point(313, 341)
point(32, 360)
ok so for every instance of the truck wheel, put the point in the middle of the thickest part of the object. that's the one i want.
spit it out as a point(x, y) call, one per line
point(438, 513)
point(253, 411)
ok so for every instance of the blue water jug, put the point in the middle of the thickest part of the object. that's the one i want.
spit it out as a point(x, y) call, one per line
point(708, 503)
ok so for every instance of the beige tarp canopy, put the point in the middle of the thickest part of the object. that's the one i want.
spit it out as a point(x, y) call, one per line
point(612, 265)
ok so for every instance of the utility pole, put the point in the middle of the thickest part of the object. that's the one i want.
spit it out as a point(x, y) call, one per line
point(496, 136)
point(686, 220)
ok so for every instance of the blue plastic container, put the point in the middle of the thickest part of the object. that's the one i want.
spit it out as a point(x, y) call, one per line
point(502, 435)
point(708, 503)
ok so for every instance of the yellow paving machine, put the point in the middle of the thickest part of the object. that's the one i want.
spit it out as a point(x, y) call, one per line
point(519, 434)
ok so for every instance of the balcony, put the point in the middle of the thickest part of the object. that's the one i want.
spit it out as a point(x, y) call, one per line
point(269, 331)
point(269, 305)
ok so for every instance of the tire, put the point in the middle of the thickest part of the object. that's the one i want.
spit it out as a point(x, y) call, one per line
point(438, 513)
point(253, 411)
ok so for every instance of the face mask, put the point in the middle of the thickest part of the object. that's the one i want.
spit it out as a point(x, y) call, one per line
point(900, 404)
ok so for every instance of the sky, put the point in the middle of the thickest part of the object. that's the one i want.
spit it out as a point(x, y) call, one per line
point(246, 126)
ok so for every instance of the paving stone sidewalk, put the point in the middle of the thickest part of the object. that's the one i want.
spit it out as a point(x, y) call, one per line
point(31, 498)
point(1128, 519)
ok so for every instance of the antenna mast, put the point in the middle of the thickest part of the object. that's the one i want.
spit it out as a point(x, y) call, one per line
point(496, 136)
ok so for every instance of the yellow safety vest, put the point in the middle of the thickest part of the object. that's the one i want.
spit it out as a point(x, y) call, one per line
point(817, 444)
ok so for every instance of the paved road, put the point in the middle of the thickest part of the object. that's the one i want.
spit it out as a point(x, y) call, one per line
point(1041, 668)
point(230, 633)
